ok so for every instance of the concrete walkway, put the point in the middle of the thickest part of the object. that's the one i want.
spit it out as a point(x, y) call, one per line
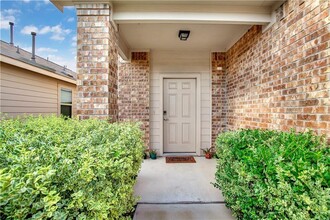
point(179, 191)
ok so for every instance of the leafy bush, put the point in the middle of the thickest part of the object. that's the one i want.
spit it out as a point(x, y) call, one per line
point(68, 169)
point(274, 175)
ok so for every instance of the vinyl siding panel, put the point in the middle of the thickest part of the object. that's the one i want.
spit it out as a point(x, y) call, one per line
point(168, 62)
point(22, 91)
point(33, 88)
point(26, 92)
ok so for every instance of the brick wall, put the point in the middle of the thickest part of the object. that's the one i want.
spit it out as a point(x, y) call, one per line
point(133, 91)
point(97, 59)
point(280, 79)
point(219, 101)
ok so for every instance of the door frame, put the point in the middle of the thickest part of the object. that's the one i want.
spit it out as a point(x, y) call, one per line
point(181, 75)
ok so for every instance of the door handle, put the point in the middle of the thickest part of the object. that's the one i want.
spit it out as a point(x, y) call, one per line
point(164, 117)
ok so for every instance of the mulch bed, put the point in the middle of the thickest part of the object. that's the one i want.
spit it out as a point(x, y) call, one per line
point(181, 159)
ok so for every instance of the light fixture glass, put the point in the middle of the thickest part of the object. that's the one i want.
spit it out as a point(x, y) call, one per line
point(184, 34)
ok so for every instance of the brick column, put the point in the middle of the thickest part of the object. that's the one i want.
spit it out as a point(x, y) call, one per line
point(133, 91)
point(97, 59)
point(219, 103)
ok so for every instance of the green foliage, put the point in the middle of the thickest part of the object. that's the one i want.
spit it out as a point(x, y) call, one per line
point(60, 168)
point(274, 175)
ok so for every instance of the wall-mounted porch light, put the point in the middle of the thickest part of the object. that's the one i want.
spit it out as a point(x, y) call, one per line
point(183, 34)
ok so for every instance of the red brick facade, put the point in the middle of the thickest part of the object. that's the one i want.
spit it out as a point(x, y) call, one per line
point(273, 79)
point(219, 101)
point(133, 91)
point(280, 79)
point(97, 59)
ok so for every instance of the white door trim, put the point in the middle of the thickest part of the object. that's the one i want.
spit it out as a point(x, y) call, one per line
point(196, 76)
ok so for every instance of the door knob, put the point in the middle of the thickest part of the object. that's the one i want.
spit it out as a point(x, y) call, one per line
point(165, 119)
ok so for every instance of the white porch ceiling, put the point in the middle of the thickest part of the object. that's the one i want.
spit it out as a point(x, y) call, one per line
point(215, 25)
point(203, 37)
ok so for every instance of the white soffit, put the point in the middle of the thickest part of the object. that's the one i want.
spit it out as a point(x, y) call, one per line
point(203, 37)
point(215, 25)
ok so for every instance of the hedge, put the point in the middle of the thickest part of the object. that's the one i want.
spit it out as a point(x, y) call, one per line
point(57, 168)
point(274, 175)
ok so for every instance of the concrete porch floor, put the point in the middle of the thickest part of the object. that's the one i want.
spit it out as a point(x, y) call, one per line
point(179, 191)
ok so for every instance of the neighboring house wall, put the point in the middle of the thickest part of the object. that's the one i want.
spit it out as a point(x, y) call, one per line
point(28, 92)
point(133, 91)
point(179, 64)
point(280, 79)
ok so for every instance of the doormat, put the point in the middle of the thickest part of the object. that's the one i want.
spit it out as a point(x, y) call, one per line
point(181, 159)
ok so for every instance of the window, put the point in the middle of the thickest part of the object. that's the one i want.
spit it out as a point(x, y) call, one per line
point(66, 102)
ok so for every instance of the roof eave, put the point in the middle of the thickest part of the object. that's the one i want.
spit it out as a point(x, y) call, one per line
point(60, 4)
point(29, 67)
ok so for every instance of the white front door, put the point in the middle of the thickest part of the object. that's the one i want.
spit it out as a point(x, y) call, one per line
point(179, 115)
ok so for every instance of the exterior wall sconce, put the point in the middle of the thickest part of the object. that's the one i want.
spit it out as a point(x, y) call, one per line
point(183, 34)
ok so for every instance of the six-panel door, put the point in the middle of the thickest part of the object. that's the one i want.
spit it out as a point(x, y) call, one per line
point(179, 115)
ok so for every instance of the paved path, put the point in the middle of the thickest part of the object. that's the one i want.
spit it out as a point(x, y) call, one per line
point(179, 191)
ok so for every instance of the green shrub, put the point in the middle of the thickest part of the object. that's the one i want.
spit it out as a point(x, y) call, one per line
point(274, 175)
point(60, 168)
